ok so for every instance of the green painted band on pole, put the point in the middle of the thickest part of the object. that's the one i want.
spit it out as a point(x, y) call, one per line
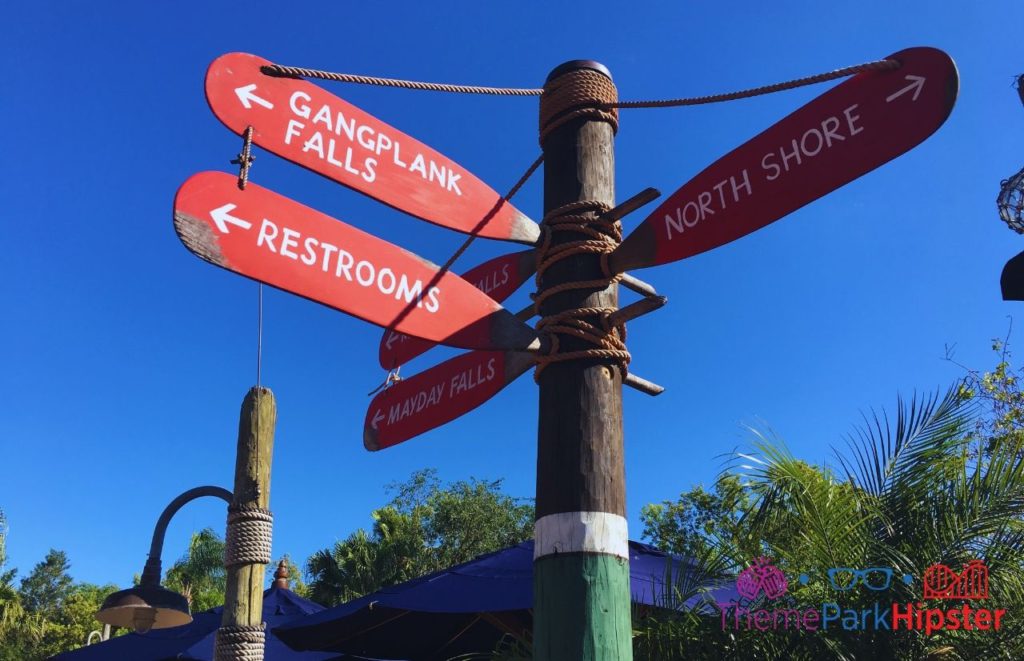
point(602, 628)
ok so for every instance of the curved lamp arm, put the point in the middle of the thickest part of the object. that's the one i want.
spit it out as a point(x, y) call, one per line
point(151, 573)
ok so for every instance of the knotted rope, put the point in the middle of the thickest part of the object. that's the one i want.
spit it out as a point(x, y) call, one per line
point(579, 94)
point(239, 643)
point(249, 536)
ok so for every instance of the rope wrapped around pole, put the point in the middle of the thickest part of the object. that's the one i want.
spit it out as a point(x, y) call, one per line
point(586, 94)
point(249, 537)
point(240, 643)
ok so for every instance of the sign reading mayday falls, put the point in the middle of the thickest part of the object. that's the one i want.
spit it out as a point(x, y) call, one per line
point(444, 392)
point(839, 136)
point(267, 237)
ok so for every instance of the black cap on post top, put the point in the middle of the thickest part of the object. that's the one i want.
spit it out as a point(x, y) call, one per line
point(574, 65)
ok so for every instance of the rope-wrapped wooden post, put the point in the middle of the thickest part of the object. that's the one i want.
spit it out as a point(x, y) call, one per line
point(581, 560)
point(241, 634)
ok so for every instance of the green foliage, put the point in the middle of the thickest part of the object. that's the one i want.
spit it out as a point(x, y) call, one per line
point(49, 613)
point(7, 591)
point(1000, 395)
point(906, 493)
point(199, 574)
point(48, 585)
point(425, 527)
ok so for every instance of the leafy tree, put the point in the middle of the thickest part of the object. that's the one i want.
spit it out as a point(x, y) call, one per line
point(49, 613)
point(906, 493)
point(48, 585)
point(7, 591)
point(199, 574)
point(425, 527)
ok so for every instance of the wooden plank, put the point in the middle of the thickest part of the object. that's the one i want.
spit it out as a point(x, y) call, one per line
point(439, 395)
point(499, 278)
point(311, 127)
point(843, 134)
point(267, 237)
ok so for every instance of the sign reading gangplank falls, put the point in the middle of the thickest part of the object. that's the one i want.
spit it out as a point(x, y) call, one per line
point(267, 237)
point(839, 136)
point(307, 125)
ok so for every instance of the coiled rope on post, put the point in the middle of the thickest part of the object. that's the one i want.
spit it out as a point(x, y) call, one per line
point(590, 95)
point(239, 643)
point(249, 536)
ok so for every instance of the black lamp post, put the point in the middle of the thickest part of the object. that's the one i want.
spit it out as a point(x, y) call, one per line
point(150, 605)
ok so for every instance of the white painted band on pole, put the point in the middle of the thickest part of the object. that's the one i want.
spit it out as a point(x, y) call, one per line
point(581, 532)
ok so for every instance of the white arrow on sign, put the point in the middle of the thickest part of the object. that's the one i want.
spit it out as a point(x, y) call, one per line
point(916, 84)
point(222, 216)
point(377, 417)
point(246, 96)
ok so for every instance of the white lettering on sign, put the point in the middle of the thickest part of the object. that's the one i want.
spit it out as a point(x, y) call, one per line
point(341, 142)
point(726, 192)
point(460, 383)
point(329, 258)
point(775, 164)
point(493, 280)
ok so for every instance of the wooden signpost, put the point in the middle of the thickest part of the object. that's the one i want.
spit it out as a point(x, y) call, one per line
point(581, 572)
point(311, 127)
point(267, 237)
point(839, 136)
point(499, 278)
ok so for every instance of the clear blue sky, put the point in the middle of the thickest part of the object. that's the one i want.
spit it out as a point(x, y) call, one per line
point(125, 358)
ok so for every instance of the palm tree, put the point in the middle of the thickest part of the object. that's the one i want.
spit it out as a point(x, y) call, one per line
point(199, 574)
point(905, 494)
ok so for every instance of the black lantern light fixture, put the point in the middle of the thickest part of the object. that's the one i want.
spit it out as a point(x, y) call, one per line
point(149, 605)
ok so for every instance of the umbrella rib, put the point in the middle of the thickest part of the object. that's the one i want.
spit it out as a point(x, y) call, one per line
point(456, 636)
point(375, 626)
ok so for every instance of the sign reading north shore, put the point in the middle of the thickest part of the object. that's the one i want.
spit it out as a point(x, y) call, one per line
point(442, 393)
point(846, 132)
point(498, 278)
point(267, 237)
point(308, 126)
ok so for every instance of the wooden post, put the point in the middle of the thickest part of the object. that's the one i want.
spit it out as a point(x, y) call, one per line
point(581, 559)
point(243, 598)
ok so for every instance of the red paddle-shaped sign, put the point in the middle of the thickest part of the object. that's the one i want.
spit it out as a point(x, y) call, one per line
point(267, 237)
point(310, 127)
point(846, 132)
point(498, 278)
point(439, 395)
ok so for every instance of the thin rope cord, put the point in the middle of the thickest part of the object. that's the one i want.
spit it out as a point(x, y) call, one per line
point(877, 65)
point(298, 72)
point(393, 375)
point(483, 223)
point(259, 332)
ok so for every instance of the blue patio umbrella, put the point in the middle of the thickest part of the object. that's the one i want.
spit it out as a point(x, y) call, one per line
point(195, 640)
point(469, 608)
